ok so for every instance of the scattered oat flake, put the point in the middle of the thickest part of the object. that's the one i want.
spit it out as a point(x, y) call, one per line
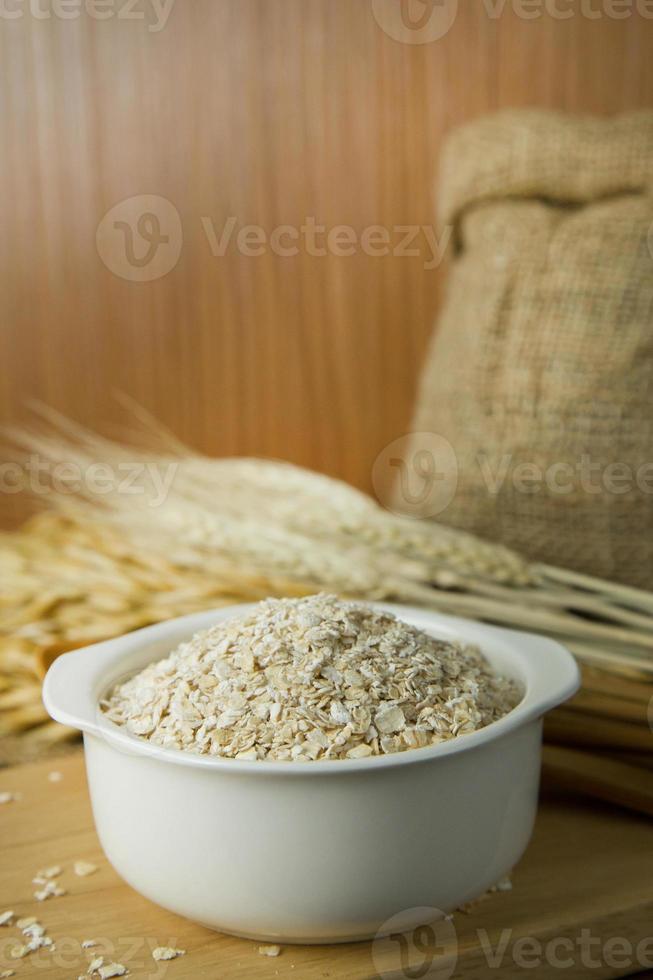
point(6, 917)
point(46, 873)
point(112, 970)
point(50, 890)
point(503, 885)
point(5, 974)
point(7, 797)
point(84, 868)
point(55, 776)
point(27, 921)
point(37, 941)
point(269, 950)
point(167, 953)
point(89, 943)
point(95, 964)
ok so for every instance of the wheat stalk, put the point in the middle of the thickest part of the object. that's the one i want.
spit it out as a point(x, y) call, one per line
point(234, 530)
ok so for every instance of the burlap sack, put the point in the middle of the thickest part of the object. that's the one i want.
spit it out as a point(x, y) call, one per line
point(543, 354)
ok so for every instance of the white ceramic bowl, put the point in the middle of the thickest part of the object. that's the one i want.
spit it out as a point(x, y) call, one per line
point(322, 851)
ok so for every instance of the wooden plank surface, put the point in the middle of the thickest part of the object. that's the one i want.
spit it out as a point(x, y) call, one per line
point(269, 112)
point(583, 892)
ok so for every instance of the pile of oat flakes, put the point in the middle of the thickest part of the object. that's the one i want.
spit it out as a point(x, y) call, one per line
point(311, 678)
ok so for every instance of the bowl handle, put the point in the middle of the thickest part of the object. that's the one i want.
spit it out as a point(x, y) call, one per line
point(76, 680)
point(72, 685)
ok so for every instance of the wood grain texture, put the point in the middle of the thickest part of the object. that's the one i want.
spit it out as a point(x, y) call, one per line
point(622, 783)
point(582, 891)
point(270, 112)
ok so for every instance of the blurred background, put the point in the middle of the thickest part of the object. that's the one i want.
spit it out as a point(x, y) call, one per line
point(262, 113)
point(243, 217)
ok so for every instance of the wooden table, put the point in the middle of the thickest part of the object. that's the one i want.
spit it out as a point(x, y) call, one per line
point(583, 894)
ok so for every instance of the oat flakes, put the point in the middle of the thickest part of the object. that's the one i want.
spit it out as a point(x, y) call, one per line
point(311, 678)
point(84, 868)
point(269, 950)
point(167, 953)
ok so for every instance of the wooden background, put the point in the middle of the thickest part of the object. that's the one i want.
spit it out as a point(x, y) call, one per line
point(269, 112)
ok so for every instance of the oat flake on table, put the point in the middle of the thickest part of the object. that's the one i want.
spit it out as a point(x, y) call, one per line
point(167, 953)
point(111, 970)
point(311, 678)
point(273, 950)
point(84, 868)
